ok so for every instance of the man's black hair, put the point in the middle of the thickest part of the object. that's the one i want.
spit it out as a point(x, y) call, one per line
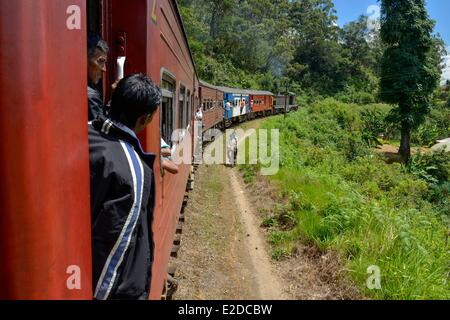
point(95, 41)
point(135, 96)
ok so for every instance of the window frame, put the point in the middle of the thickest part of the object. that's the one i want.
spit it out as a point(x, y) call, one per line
point(169, 77)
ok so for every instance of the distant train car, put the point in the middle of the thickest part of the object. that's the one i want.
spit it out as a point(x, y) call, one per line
point(261, 103)
point(212, 102)
point(285, 103)
point(239, 101)
point(45, 221)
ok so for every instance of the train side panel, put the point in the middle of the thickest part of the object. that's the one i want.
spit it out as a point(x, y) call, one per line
point(261, 103)
point(211, 116)
point(174, 61)
point(44, 156)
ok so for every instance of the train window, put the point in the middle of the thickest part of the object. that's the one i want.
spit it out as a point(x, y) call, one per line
point(188, 110)
point(167, 109)
point(181, 106)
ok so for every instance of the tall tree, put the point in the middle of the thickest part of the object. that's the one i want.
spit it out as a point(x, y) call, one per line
point(409, 68)
point(318, 61)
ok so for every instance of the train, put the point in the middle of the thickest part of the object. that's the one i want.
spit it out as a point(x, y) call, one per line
point(224, 106)
point(45, 224)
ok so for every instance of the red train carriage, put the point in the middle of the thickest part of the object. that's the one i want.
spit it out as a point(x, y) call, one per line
point(261, 102)
point(211, 98)
point(44, 158)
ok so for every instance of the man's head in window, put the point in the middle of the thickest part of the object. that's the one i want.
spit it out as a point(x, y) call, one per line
point(97, 57)
point(135, 101)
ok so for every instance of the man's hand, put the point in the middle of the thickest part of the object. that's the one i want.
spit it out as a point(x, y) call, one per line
point(165, 152)
point(169, 166)
point(114, 85)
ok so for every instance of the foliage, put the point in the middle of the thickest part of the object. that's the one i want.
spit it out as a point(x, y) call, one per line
point(434, 168)
point(391, 216)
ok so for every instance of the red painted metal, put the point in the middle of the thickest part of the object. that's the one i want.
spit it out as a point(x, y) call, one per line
point(265, 103)
point(44, 155)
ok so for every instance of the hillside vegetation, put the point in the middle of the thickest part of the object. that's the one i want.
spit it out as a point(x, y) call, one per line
point(342, 196)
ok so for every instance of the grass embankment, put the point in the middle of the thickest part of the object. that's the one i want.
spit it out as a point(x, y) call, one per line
point(341, 196)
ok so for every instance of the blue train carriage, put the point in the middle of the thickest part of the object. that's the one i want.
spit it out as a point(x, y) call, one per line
point(285, 102)
point(239, 107)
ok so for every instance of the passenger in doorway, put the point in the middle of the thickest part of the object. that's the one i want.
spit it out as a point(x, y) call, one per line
point(123, 193)
point(166, 161)
point(199, 133)
point(97, 58)
point(242, 106)
point(199, 114)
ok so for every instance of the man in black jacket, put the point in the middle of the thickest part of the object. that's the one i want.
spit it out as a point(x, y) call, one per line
point(123, 193)
point(97, 58)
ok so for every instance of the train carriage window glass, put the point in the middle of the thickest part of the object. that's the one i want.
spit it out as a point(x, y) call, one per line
point(167, 109)
point(188, 110)
point(181, 106)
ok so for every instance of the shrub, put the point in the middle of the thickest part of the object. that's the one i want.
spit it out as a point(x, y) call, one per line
point(434, 168)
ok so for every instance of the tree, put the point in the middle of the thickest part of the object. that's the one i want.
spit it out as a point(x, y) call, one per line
point(363, 47)
point(409, 68)
point(318, 62)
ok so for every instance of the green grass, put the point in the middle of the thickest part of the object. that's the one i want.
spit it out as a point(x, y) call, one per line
point(343, 197)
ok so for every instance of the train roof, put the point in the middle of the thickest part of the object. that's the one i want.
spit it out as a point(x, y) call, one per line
point(283, 94)
point(245, 91)
point(206, 84)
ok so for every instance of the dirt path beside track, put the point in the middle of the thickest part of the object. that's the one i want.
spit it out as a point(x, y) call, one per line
point(223, 256)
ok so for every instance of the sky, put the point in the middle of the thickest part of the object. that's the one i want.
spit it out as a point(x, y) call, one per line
point(439, 10)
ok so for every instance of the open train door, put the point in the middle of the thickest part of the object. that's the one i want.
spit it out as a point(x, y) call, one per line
point(130, 29)
point(45, 238)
